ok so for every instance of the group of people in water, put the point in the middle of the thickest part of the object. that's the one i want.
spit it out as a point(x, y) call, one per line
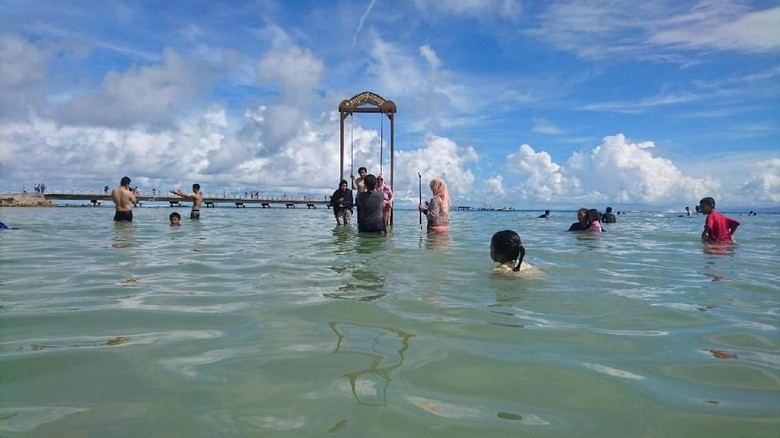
point(591, 220)
point(374, 202)
point(125, 198)
point(374, 209)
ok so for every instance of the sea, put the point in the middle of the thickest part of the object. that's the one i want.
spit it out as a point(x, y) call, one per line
point(277, 322)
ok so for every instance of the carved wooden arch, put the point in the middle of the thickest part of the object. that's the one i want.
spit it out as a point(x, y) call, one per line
point(368, 102)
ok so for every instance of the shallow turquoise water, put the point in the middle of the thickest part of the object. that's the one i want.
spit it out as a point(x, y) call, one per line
point(275, 323)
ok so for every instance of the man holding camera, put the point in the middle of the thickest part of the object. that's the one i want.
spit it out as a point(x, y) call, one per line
point(124, 201)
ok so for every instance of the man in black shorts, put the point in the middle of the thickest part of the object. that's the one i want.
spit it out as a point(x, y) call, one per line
point(124, 201)
point(197, 199)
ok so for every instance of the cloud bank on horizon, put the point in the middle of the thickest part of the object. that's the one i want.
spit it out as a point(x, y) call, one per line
point(525, 104)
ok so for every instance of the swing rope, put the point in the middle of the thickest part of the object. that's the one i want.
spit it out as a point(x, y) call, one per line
point(381, 143)
point(352, 143)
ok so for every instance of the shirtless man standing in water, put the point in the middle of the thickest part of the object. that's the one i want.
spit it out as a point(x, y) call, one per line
point(124, 201)
point(197, 199)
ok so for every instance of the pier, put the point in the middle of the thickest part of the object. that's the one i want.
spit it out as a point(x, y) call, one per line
point(208, 201)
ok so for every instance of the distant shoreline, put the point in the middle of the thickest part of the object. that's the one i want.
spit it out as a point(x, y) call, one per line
point(39, 200)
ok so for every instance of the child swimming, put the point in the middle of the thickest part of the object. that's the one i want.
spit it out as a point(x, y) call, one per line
point(507, 249)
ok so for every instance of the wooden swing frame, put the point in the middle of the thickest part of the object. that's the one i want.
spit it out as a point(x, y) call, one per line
point(368, 102)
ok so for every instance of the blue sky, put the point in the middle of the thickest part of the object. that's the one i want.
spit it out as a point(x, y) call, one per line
point(555, 104)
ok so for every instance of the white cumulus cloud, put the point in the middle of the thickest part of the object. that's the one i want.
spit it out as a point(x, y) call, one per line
point(437, 157)
point(540, 178)
point(763, 184)
point(619, 170)
point(151, 94)
point(294, 70)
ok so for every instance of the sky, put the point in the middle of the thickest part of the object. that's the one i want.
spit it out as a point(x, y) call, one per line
point(523, 104)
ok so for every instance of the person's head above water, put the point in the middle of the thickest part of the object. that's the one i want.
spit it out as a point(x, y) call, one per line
point(582, 215)
point(370, 181)
point(505, 246)
point(175, 218)
point(707, 205)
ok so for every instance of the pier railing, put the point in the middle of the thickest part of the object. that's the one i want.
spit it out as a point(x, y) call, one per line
point(208, 201)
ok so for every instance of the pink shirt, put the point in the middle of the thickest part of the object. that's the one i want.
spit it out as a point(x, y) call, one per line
point(595, 226)
point(719, 227)
point(387, 192)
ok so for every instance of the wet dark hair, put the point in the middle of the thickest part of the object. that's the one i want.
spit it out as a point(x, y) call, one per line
point(343, 182)
point(708, 201)
point(174, 215)
point(196, 187)
point(593, 215)
point(507, 244)
point(362, 168)
point(370, 181)
point(125, 181)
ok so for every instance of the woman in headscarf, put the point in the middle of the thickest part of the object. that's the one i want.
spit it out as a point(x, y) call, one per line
point(437, 210)
point(387, 204)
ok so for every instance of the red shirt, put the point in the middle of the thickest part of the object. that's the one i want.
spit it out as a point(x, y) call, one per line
point(718, 227)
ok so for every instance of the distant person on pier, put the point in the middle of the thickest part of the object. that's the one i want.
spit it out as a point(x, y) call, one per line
point(582, 221)
point(544, 215)
point(342, 202)
point(437, 210)
point(369, 204)
point(717, 228)
point(197, 199)
point(106, 189)
point(124, 201)
point(387, 204)
point(608, 217)
point(358, 184)
point(175, 219)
